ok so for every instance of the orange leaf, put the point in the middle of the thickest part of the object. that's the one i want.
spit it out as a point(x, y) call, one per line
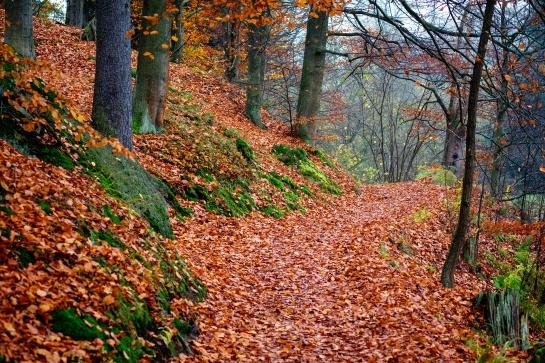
point(108, 300)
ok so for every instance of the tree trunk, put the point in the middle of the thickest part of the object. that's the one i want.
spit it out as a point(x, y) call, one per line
point(19, 32)
point(112, 94)
point(231, 46)
point(257, 42)
point(74, 13)
point(454, 139)
point(177, 41)
point(447, 276)
point(310, 90)
point(151, 85)
point(497, 155)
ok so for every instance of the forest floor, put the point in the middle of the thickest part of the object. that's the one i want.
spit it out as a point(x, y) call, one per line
point(354, 279)
point(331, 285)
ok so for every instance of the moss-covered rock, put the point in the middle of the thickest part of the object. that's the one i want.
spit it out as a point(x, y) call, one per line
point(129, 181)
point(245, 149)
point(69, 323)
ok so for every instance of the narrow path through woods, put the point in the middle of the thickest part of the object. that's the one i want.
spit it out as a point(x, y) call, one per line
point(318, 288)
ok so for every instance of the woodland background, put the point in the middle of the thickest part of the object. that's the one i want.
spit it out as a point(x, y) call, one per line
point(233, 181)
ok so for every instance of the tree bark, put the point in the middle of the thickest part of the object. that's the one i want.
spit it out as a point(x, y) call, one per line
point(231, 46)
point(112, 95)
point(151, 85)
point(447, 276)
point(310, 90)
point(454, 139)
point(257, 42)
point(74, 13)
point(177, 42)
point(19, 31)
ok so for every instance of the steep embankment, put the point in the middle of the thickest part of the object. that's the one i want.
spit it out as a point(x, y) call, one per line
point(338, 279)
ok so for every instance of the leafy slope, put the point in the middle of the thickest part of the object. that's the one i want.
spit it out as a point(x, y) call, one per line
point(329, 285)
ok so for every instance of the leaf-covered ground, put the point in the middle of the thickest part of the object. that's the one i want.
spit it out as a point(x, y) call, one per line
point(332, 285)
point(356, 278)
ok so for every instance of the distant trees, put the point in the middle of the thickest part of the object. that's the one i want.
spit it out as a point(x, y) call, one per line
point(112, 94)
point(19, 31)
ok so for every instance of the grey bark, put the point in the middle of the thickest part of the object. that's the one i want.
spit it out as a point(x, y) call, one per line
point(74, 13)
point(454, 139)
point(447, 275)
point(19, 32)
point(112, 94)
point(257, 42)
point(310, 90)
point(151, 85)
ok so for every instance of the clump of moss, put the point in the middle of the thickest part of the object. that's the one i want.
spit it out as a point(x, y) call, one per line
point(69, 323)
point(46, 207)
point(25, 257)
point(298, 159)
point(273, 211)
point(320, 154)
point(245, 149)
point(108, 212)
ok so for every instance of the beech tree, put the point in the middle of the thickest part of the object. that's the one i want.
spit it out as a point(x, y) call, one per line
point(19, 31)
point(112, 94)
point(150, 89)
point(312, 75)
point(258, 32)
point(75, 13)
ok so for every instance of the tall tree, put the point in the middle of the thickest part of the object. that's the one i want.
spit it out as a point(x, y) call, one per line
point(258, 32)
point(112, 95)
point(150, 89)
point(19, 31)
point(447, 275)
point(75, 13)
point(310, 90)
point(177, 39)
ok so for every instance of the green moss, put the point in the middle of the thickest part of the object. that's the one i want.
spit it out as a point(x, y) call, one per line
point(6, 210)
point(46, 207)
point(298, 159)
point(230, 132)
point(273, 211)
point(108, 212)
point(111, 239)
point(289, 156)
point(305, 189)
point(323, 158)
point(25, 256)
point(70, 324)
point(128, 347)
point(245, 149)
point(5, 232)
point(53, 156)
point(131, 316)
point(2, 359)
point(438, 176)
point(128, 181)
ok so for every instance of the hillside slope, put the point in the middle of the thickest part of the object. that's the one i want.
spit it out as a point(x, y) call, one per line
point(341, 277)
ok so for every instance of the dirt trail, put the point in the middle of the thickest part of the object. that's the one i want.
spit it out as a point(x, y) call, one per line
point(318, 287)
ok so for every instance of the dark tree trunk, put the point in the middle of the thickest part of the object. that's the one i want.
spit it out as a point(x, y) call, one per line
point(19, 32)
point(177, 41)
point(150, 89)
point(310, 90)
point(257, 42)
point(112, 95)
point(454, 139)
point(447, 276)
point(75, 13)
point(231, 46)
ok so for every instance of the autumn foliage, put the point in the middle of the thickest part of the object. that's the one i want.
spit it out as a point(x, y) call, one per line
point(342, 279)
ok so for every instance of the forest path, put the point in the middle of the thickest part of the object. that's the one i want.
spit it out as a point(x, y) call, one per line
point(318, 287)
